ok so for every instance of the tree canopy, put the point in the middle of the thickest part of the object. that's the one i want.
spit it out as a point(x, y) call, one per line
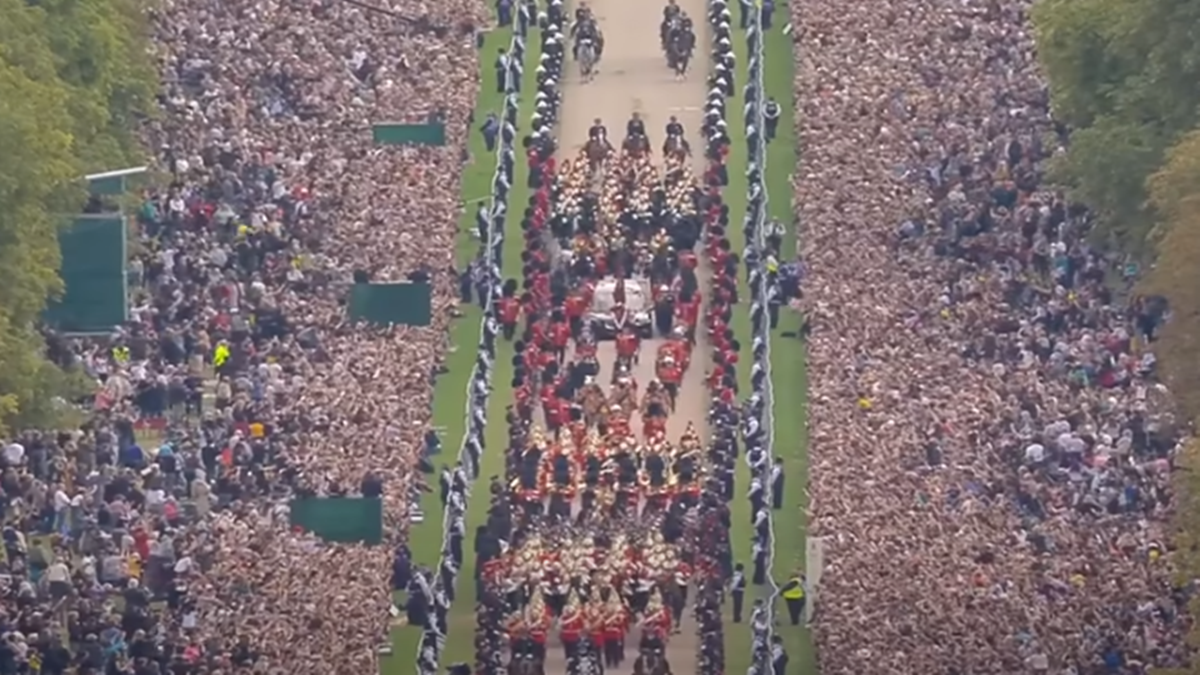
point(1122, 77)
point(75, 76)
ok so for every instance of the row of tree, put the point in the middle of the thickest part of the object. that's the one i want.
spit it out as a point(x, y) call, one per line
point(1124, 78)
point(76, 76)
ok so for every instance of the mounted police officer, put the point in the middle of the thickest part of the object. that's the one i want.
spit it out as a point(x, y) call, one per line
point(598, 132)
point(671, 11)
point(635, 126)
point(674, 128)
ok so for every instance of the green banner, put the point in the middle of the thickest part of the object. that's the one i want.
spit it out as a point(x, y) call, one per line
point(96, 298)
point(385, 304)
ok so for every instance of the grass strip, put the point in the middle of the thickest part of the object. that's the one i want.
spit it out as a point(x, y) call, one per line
point(460, 640)
point(450, 391)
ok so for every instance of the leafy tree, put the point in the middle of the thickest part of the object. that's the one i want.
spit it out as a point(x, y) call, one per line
point(75, 76)
point(1122, 77)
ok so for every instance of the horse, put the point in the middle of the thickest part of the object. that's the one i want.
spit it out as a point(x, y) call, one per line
point(635, 145)
point(587, 56)
point(524, 664)
point(676, 147)
point(679, 52)
point(597, 151)
point(587, 30)
point(651, 662)
point(666, 29)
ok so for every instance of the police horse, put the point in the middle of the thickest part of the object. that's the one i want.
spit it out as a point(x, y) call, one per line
point(587, 55)
point(679, 44)
point(651, 661)
point(597, 151)
point(587, 32)
point(525, 664)
point(676, 147)
point(636, 145)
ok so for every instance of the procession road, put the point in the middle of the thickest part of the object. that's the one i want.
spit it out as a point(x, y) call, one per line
point(633, 77)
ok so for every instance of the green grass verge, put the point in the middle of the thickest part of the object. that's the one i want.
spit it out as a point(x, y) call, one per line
point(787, 355)
point(460, 641)
point(450, 392)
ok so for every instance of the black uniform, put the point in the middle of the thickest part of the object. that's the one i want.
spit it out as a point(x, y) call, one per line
point(674, 129)
point(771, 112)
point(597, 132)
point(635, 127)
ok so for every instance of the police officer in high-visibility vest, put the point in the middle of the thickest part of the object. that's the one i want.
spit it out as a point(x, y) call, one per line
point(794, 595)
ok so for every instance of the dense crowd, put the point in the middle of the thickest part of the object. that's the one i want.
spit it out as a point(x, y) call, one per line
point(126, 555)
point(990, 444)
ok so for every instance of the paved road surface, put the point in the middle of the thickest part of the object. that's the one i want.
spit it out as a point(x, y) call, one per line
point(633, 76)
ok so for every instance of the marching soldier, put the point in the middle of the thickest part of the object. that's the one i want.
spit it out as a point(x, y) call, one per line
point(616, 623)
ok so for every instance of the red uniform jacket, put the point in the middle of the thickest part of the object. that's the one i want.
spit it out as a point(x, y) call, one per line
point(560, 335)
point(510, 311)
point(670, 374)
point(575, 307)
point(627, 344)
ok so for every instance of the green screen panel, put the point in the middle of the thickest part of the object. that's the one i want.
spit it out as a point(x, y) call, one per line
point(93, 272)
point(340, 519)
point(404, 304)
point(393, 133)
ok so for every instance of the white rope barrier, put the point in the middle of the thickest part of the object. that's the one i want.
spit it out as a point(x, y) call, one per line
point(756, 238)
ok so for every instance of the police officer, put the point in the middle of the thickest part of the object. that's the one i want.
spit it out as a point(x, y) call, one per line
point(501, 67)
point(598, 132)
point(779, 657)
point(737, 589)
point(771, 112)
point(674, 128)
point(777, 484)
point(635, 126)
point(794, 594)
point(670, 11)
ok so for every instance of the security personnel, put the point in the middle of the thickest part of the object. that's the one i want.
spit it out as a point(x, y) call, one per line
point(635, 126)
point(501, 68)
point(671, 10)
point(220, 355)
point(794, 595)
point(598, 132)
point(771, 113)
point(737, 588)
point(779, 656)
point(674, 128)
point(777, 484)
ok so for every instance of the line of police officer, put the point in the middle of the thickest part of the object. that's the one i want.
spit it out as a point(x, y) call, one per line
point(767, 477)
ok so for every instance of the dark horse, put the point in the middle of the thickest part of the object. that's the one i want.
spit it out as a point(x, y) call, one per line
point(679, 51)
point(636, 145)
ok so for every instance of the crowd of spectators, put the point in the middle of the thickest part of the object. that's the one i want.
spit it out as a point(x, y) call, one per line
point(990, 442)
point(171, 552)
